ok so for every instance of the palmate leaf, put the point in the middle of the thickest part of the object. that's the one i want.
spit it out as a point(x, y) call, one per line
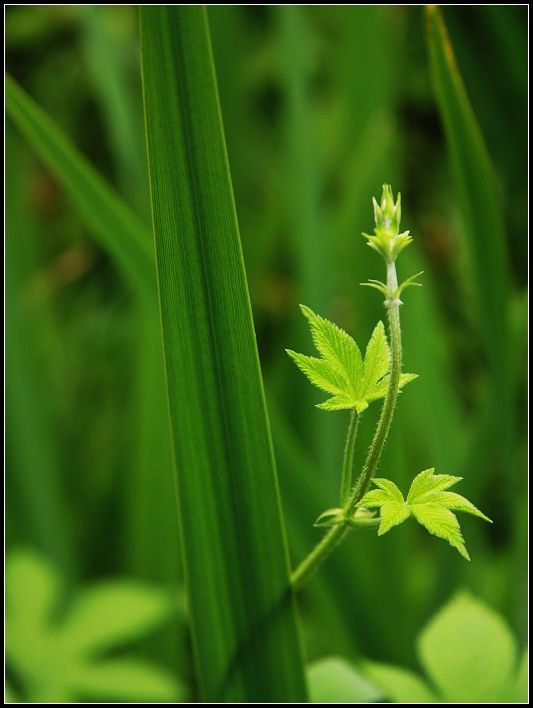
point(354, 382)
point(427, 501)
point(64, 658)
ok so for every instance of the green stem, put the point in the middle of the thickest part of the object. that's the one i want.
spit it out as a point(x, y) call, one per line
point(387, 412)
point(319, 553)
point(335, 534)
point(322, 550)
point(347, 464)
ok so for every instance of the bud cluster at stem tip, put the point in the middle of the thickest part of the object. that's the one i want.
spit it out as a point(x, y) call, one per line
point(388, 241)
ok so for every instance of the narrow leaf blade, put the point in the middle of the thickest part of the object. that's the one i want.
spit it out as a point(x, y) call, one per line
point(242, 615)
point(115, 225)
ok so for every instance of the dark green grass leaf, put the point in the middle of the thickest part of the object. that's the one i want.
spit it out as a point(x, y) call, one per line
point(481, 211)
point(242, 621)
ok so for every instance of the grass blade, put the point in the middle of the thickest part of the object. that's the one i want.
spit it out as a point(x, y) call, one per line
point(108, 62)
point(118, 229)
point(480, 208)
point(242, 614)
point(149, 497)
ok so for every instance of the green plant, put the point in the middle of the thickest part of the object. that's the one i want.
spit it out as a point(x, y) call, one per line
point(57, 654)
point(353, 383)
point(302, 159)
point(469, 655)
point(466, 649)
point(242, 613)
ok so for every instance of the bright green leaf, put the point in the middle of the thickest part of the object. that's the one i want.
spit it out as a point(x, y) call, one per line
point(330, 517)
point(342, 402)
point(377, 361)
point(321, 372)
point(380, 390)
point(113, 613)
point(440, 522)
point(335, 680)
point(375, 498)
point(399, 685)
point(353, 382)
point(388, 486)
point(456, 502)
point(335, 344)
point(427, 482)
point(58, 658)
point(392, 514)
point(427, 501)
point(128, 680)
point(517, 690)
point(468, 651)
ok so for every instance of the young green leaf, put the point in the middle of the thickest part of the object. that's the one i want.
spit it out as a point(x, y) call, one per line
point(330, 517)
point(427, 501)
point(354, 382)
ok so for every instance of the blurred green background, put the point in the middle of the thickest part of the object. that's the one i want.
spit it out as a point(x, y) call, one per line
point(321, 105)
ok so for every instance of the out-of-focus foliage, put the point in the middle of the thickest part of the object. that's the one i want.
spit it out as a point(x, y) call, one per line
point(335, 680)
point(469, 655)
point(58, 654)
point(321, 105)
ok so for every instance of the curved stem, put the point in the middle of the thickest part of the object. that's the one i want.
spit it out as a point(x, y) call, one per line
point(347, 464)
point(319, 553)
point(336, 533)
point(387, 412)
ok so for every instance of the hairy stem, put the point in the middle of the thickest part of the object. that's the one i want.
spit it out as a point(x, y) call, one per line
point(387, 412)
point(322, 550)
point(310, 564)
point(328, 542)
point(319, 553)
point(347, 464)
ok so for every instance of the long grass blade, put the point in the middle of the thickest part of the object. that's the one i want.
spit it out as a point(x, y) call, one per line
point(108, 62)
point(118, 229)
point(242, 614)
point(481, 211)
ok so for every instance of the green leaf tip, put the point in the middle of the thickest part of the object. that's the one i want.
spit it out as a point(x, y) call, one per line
point(393, 294)
point(330, 517)
point(353, 381)
point(428, 501)
point(387, 239)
